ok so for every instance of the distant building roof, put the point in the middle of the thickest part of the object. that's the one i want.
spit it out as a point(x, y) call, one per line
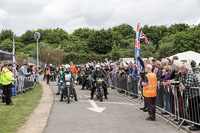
point(5, 55)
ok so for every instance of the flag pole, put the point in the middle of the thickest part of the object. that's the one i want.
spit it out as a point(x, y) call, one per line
point(14, 91)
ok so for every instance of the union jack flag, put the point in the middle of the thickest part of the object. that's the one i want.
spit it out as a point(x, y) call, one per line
point(137, 47)
point(142, 36)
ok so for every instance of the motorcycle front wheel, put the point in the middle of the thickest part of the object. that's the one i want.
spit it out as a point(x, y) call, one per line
point(68, 95)
point(101, 95)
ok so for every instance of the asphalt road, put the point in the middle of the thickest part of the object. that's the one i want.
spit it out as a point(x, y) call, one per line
point(119, 116)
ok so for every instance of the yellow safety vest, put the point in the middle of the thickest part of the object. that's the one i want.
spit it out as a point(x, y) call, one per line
point(6, 77)
point(0, 77)
point(2, 69)
point(151, 88)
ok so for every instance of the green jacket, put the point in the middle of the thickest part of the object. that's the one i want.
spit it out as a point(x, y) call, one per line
point(62, 77)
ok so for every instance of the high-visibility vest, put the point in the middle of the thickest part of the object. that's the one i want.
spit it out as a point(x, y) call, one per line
point(151, 88)
point(6, 77)
point(0, 79)
point(2, 69)
point(48, 71)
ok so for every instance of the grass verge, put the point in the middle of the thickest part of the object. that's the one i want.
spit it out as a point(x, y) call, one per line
point(13, 117)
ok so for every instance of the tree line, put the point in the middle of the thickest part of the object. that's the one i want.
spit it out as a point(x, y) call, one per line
point(84, 44)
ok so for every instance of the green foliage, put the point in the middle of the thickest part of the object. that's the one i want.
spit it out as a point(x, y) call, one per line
point(85, 45)
point(101, 42)
point(6, 45)
point(28, 37)
point(6, 34)
point(117, 52)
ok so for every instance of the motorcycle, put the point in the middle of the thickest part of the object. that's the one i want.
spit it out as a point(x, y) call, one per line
point(67, 92)
point(88, 82)
point(80, 79)
point(99, 92)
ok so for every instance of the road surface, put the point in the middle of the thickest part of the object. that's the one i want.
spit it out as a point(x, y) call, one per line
point(115, 115)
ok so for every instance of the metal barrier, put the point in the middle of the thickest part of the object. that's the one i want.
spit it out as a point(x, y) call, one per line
point(26, 83)
point(182, 105)
point(23, 84)
point(124, 84)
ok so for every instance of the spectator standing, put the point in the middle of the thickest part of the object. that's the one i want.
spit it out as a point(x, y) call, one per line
point(134, 80)
point(7, 82)
point(189, 79)
point(3, 68)
point(150, 92)
point(22, 73)
point(48, 73)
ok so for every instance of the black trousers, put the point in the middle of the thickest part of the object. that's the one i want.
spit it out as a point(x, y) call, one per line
point(48, 77)
point(8, 93)
point(151, 106)
point(84, 82)
point(104, 88)
point(3, 96)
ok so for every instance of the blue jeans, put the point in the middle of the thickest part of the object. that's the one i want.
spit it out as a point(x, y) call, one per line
point(166, 99)
point(59, 87)
point(134, 86)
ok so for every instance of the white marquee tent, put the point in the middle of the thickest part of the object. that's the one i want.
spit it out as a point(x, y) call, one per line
point(188, 56)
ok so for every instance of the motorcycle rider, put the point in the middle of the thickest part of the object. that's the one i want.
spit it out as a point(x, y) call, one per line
point(62, 79)
point(86, 73)
point(98, 73)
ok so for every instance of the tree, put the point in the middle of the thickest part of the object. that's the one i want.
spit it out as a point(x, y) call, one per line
point(28, 37)
point(84, 45)
point(147, 50)
point(6, 34)
point(21, 58)
point(6, 45)
point(100, 42)
point(117, 52)
point(165, 50)
point(125, 30)
point(155, 33)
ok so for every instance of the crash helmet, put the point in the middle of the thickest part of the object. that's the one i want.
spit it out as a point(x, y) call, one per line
point(97, 66)
point(67, 66)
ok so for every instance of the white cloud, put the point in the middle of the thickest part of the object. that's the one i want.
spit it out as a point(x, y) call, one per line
point(22, 15)
point(2, 15)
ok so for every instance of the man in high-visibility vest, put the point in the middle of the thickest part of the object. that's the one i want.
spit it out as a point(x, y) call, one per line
point(5, 66)
point(7, 79)
point(149, 92)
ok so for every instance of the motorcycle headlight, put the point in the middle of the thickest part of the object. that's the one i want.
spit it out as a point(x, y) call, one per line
point(67, 83)
point(100, 81)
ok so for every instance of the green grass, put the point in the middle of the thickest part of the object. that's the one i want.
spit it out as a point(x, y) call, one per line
point(12, 117)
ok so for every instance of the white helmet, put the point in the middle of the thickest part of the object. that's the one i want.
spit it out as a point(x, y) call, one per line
point(67, 66)
point(87, 66)
point(97, 66)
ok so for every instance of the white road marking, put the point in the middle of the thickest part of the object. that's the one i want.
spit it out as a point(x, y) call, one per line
point(119, 103)
point(95, 107)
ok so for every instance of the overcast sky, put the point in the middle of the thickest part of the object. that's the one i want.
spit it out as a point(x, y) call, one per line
point(22, 15)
